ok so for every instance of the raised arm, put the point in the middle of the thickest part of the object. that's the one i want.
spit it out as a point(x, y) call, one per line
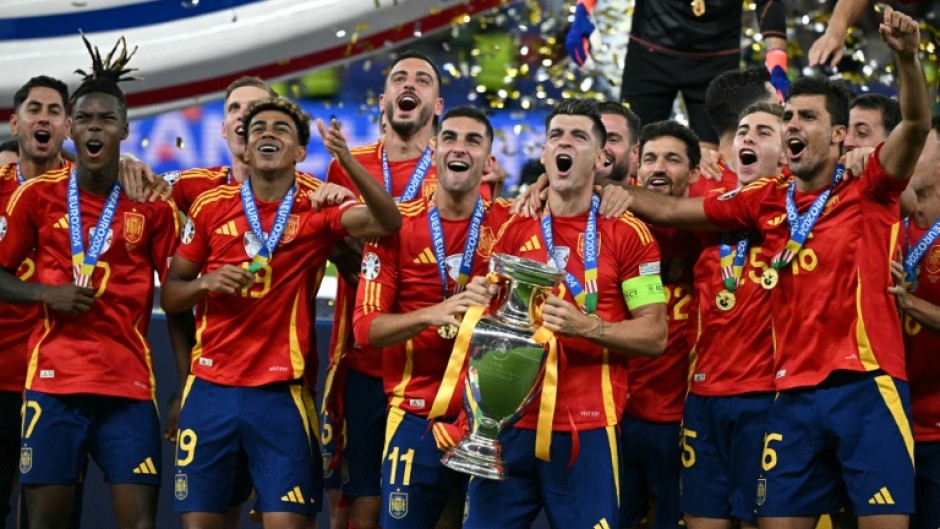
point(380, 217)
point(903, 146)
point(664, 210)
point(828, 49)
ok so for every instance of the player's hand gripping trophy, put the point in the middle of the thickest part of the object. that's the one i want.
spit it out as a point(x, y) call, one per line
point(506, 362)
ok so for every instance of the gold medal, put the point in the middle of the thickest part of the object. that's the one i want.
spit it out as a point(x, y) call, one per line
point(725, 300)
point(769, 278)
point(447, 332)
point(698, 7)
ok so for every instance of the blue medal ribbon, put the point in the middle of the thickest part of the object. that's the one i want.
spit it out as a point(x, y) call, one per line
point(916, 253)
point(268, 240)
point(585, 296)
point(19, 174)
point(469, 247)
point(417, 177)
point(83, 263)
point(732, 259)
point(801, 226)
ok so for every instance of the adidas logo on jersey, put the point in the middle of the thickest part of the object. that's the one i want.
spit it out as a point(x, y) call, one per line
point(531, 244)
point(228, 229)
point(146, 467)
point(62, 223)
point(882, 497)
point(425, 257)
point(602, 524)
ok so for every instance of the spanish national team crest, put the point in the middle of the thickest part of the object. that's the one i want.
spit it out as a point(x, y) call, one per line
point(3, 227)
point(931, 262)
point(761, 491)
point(487, 240)
point(189, 231)
point(371, 266)
point(133, 227)
point(430, 186)
point(290, 231)
point(181, 486)
point(252, 244)
point(26, 459)
point(581, 245)
point(398, 505)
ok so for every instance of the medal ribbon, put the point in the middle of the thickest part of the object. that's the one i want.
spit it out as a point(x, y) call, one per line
point(469, 247)
point(801, 226)
point(732, 260)
point(83, 263)
point(916, 253)
point(586, 296)
point(417, 177)
point(268, 240)
point(19, 174)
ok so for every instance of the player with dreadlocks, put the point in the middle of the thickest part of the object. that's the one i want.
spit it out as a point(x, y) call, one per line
point(89, 386)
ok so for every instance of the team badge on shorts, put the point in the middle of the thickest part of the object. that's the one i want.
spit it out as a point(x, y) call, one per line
point(181, 486)
point(26, 459)
point(398, 505)
point(327, 465)
point(761, 491)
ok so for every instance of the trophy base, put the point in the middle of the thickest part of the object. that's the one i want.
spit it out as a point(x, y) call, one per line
point(478, 456)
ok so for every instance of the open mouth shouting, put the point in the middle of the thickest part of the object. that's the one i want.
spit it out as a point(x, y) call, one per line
point(795, 148)
point(407, 102)
point(563, 162)
point(747, 157)
point(458, 166)
point(94, 147)
point(43, 139)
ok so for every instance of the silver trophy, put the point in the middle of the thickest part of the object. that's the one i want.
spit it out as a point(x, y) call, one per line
point(505, 364)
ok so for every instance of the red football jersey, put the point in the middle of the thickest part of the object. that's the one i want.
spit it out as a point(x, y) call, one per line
point(734, 349)
point(657, 386)
point(263, 334)
point(703, 186)
point(196, 181)
point(104, 351)
point(831, 308)
point(592, 381)
point(361, 357)
point(400, 274)
point(921, 346)
point(17, 321)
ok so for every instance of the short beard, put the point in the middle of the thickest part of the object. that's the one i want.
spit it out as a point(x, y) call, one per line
point(407, 129)
point(619, 171)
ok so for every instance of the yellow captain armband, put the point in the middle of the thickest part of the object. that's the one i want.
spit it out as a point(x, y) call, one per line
point(643, 290)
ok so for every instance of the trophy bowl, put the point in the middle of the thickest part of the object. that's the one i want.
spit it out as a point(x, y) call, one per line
point(505, 365)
